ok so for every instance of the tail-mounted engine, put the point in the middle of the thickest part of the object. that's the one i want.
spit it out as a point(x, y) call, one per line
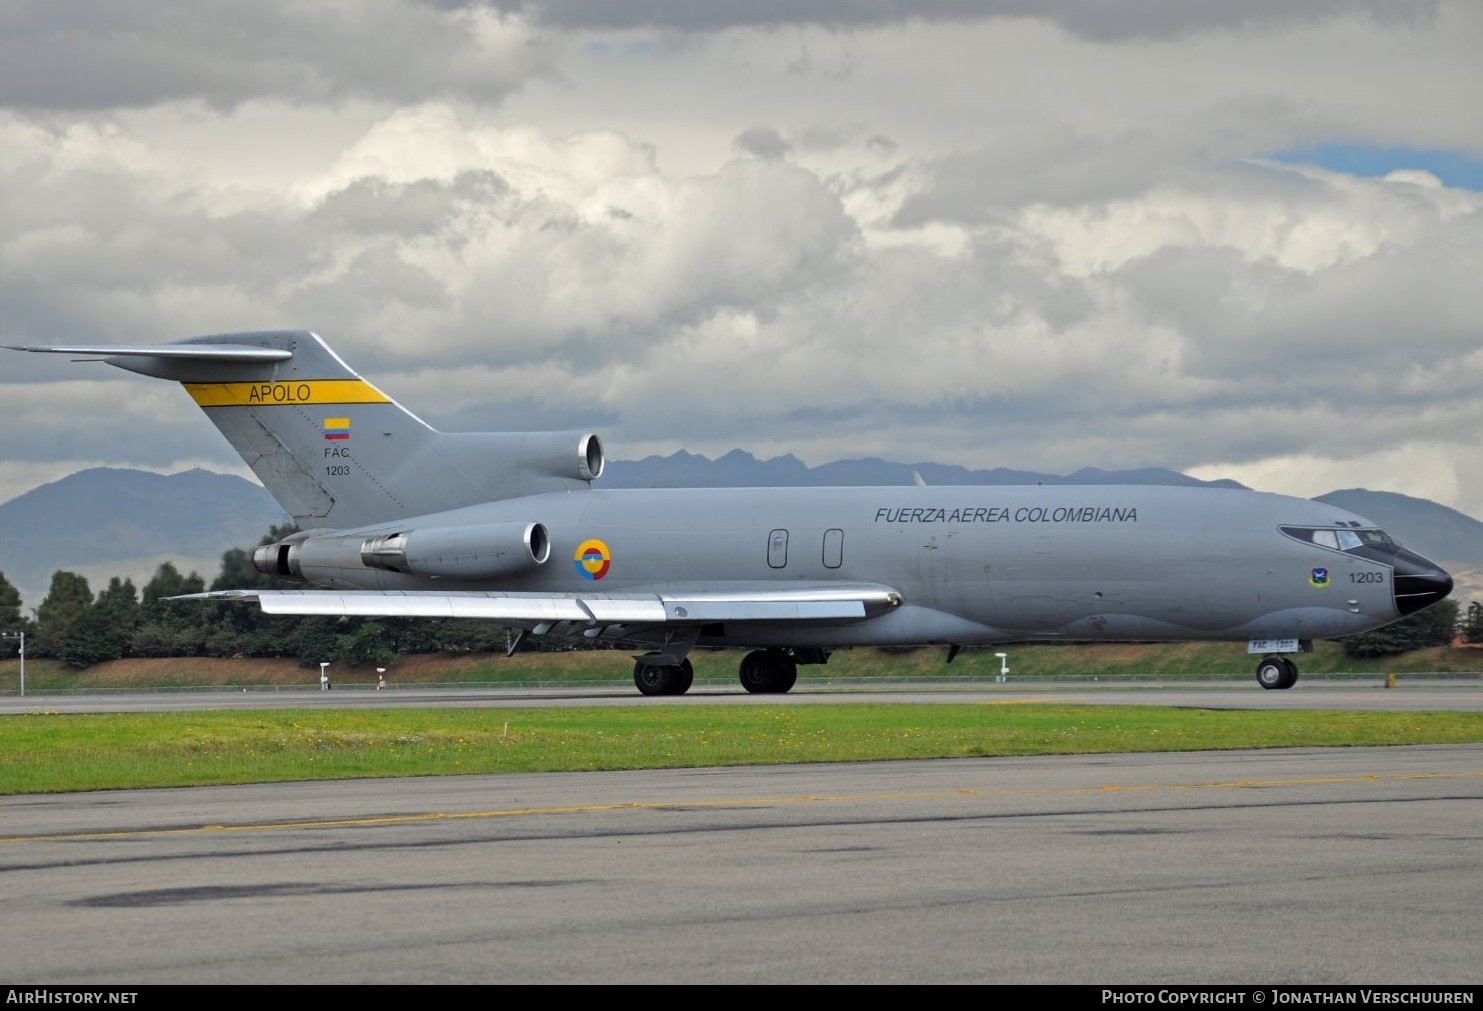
point(494, 549)
point(467, 552)
point(508, 464)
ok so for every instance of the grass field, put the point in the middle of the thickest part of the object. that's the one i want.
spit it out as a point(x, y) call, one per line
point(43, 751)
point(47, 752)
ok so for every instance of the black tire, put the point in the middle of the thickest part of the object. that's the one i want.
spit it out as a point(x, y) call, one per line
point(755, 671)
point(787, 675)
point(1272, 672)
point(768, 671)
point(686, 676)
point(652, 679)
point(1292, 673)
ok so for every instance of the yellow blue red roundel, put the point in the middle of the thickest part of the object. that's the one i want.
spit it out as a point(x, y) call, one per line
point(593, 559)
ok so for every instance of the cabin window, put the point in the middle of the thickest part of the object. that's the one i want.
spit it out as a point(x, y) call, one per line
point(777, 549)
point(833, 549)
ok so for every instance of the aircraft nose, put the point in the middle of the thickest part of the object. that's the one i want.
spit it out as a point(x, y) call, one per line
point(1419, 582)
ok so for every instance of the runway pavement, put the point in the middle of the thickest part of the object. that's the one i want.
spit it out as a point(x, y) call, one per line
point(1408, 693)
point(1277, 867)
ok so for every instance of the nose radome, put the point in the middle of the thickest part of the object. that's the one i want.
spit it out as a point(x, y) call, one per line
point(1419, 582)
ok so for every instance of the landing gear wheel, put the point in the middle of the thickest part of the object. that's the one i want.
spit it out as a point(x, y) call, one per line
point(652, 679)
point(769, 671)
point(686, 676)
point(1276, 672)
point(786, 675)
point(753, 672)
point(1292, 673)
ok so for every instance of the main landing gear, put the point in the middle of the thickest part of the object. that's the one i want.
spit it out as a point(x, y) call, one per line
point(662, 679)
point(762, 670)
point(1276, 671)
point(768, 670)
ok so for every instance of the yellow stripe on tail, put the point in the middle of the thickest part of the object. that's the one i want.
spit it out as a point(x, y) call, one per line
point(301, 391)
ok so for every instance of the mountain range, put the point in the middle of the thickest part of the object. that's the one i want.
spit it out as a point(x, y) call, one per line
point(107, 522)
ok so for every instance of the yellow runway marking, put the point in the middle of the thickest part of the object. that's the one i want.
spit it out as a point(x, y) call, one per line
point(670, 805)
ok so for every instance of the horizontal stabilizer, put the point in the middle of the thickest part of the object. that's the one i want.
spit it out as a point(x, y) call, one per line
point(190, 352)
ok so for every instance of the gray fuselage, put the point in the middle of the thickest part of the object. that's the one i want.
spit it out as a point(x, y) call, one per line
point(972, 564)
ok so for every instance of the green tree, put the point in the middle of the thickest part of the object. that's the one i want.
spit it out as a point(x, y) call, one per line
point(314, 640)
point(1472, 626)
point(11, 619)
point(120, 603)
point(168, 582)
point(170, 627)
point(238, 573)
point(82, 634)
point(68, 599)
point(447, 635)
point(234, 628)
point(240, 628)
point(89, 640)
point(1437, 625)
point(1431, 626)
point(369, 643)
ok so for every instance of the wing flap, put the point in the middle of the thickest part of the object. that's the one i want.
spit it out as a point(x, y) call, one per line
point(829, 602)
point(420, 605)
point(682, 610)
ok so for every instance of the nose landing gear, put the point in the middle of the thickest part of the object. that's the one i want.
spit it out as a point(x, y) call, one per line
point(1276, 671)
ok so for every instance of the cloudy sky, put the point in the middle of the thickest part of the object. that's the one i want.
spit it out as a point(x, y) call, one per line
point(1240, 240)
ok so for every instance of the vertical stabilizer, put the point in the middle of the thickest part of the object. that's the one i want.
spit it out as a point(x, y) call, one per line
point(334, 450)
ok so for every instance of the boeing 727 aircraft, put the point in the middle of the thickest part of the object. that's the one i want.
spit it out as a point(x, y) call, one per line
point(398, 519)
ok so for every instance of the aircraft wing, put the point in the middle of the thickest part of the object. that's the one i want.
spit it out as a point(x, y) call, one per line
point(834, 601)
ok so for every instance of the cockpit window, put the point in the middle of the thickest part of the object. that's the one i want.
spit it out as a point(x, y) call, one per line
point(1342, 537)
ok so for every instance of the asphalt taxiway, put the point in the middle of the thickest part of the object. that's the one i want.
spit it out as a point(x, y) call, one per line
point(1452, 694)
